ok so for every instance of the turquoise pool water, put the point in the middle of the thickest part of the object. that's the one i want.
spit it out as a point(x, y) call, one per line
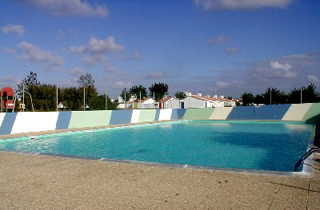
point(272, 146)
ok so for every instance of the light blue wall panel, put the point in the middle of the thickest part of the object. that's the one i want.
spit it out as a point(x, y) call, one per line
point(157, 115)
point(271, 112)
point(267, 112)
point(242, 113)
point(7, 123)
point(120, 117)
point(63, 120)
point(177, 114)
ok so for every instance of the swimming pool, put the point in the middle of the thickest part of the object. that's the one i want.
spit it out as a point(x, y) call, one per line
point(271, 146)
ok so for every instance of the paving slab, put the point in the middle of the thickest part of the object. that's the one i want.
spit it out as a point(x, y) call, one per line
point(29, 181)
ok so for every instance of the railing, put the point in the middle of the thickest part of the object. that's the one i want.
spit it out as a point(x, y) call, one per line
point(305, 156)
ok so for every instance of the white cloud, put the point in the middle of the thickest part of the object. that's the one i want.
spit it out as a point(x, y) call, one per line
point(231, 84)
point(274, 70)
point(218, 5)
point(110, 68)
point(8, 50)
point(285, 72)
point(282, 70)
point(33, 53)
point(232, 50)
point(77, 50)
point(66, 33)
point(218, 40)
point(69, 7)
point(121, 84)
point(96, 50)
point(94, 59)
point(96, 46)
point(220, 84)
point(313, 79)
point(136, 55)
point(303, 59)
point(18, 29)
point(154, 75)
point(289, 71)
point(277, 65)
point(77, 72)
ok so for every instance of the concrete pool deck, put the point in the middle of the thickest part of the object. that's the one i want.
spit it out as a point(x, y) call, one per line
point(29, 181)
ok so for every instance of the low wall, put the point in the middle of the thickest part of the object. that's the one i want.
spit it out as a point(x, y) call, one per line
point(24, 122)
point(34, 121)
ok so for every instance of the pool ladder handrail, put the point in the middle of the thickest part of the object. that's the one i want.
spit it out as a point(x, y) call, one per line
point(305, 156)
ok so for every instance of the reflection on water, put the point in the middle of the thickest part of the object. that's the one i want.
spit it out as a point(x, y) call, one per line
point(300, 127)
point(166, 125)
point(221, 124)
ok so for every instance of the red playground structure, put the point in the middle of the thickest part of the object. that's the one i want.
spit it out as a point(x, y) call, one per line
point(7, 99)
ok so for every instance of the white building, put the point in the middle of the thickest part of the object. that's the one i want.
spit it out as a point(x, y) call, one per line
point(127, 105)
point(146, 103)
point(167, 102)
point(121, 100)
point(199, 101)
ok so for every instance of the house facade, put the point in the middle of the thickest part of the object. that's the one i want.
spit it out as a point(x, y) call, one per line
point(146, 103)
point(199, 101)
point(191, 101)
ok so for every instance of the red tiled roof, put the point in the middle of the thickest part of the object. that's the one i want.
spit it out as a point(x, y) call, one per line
point(209, 98)
point(164, 99)
point(143, 100)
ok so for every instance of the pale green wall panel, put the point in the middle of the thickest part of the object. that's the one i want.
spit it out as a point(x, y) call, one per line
point(296, 112)
point(147, 115)
point(220, 113)
point(83, 119)
point(198, 114)
point(313, 112)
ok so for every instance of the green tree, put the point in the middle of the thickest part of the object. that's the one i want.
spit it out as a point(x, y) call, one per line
point(137, 90)
point(111, 105)
point(26, 83)
point(295, 96)
point(92, 97)
point(86, 83)
point(43, 96)
point(99, 103)
point(259, 99)
point(275, 96)
point(30, 79)
point(86, 80)
point(310, 95)
point(306, 94)
point(180, 96)
point(247, 99)
point(125, 95)
point(158, 90)
point(71, 98)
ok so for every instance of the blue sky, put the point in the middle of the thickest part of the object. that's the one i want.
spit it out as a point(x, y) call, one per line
point(207, 46)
